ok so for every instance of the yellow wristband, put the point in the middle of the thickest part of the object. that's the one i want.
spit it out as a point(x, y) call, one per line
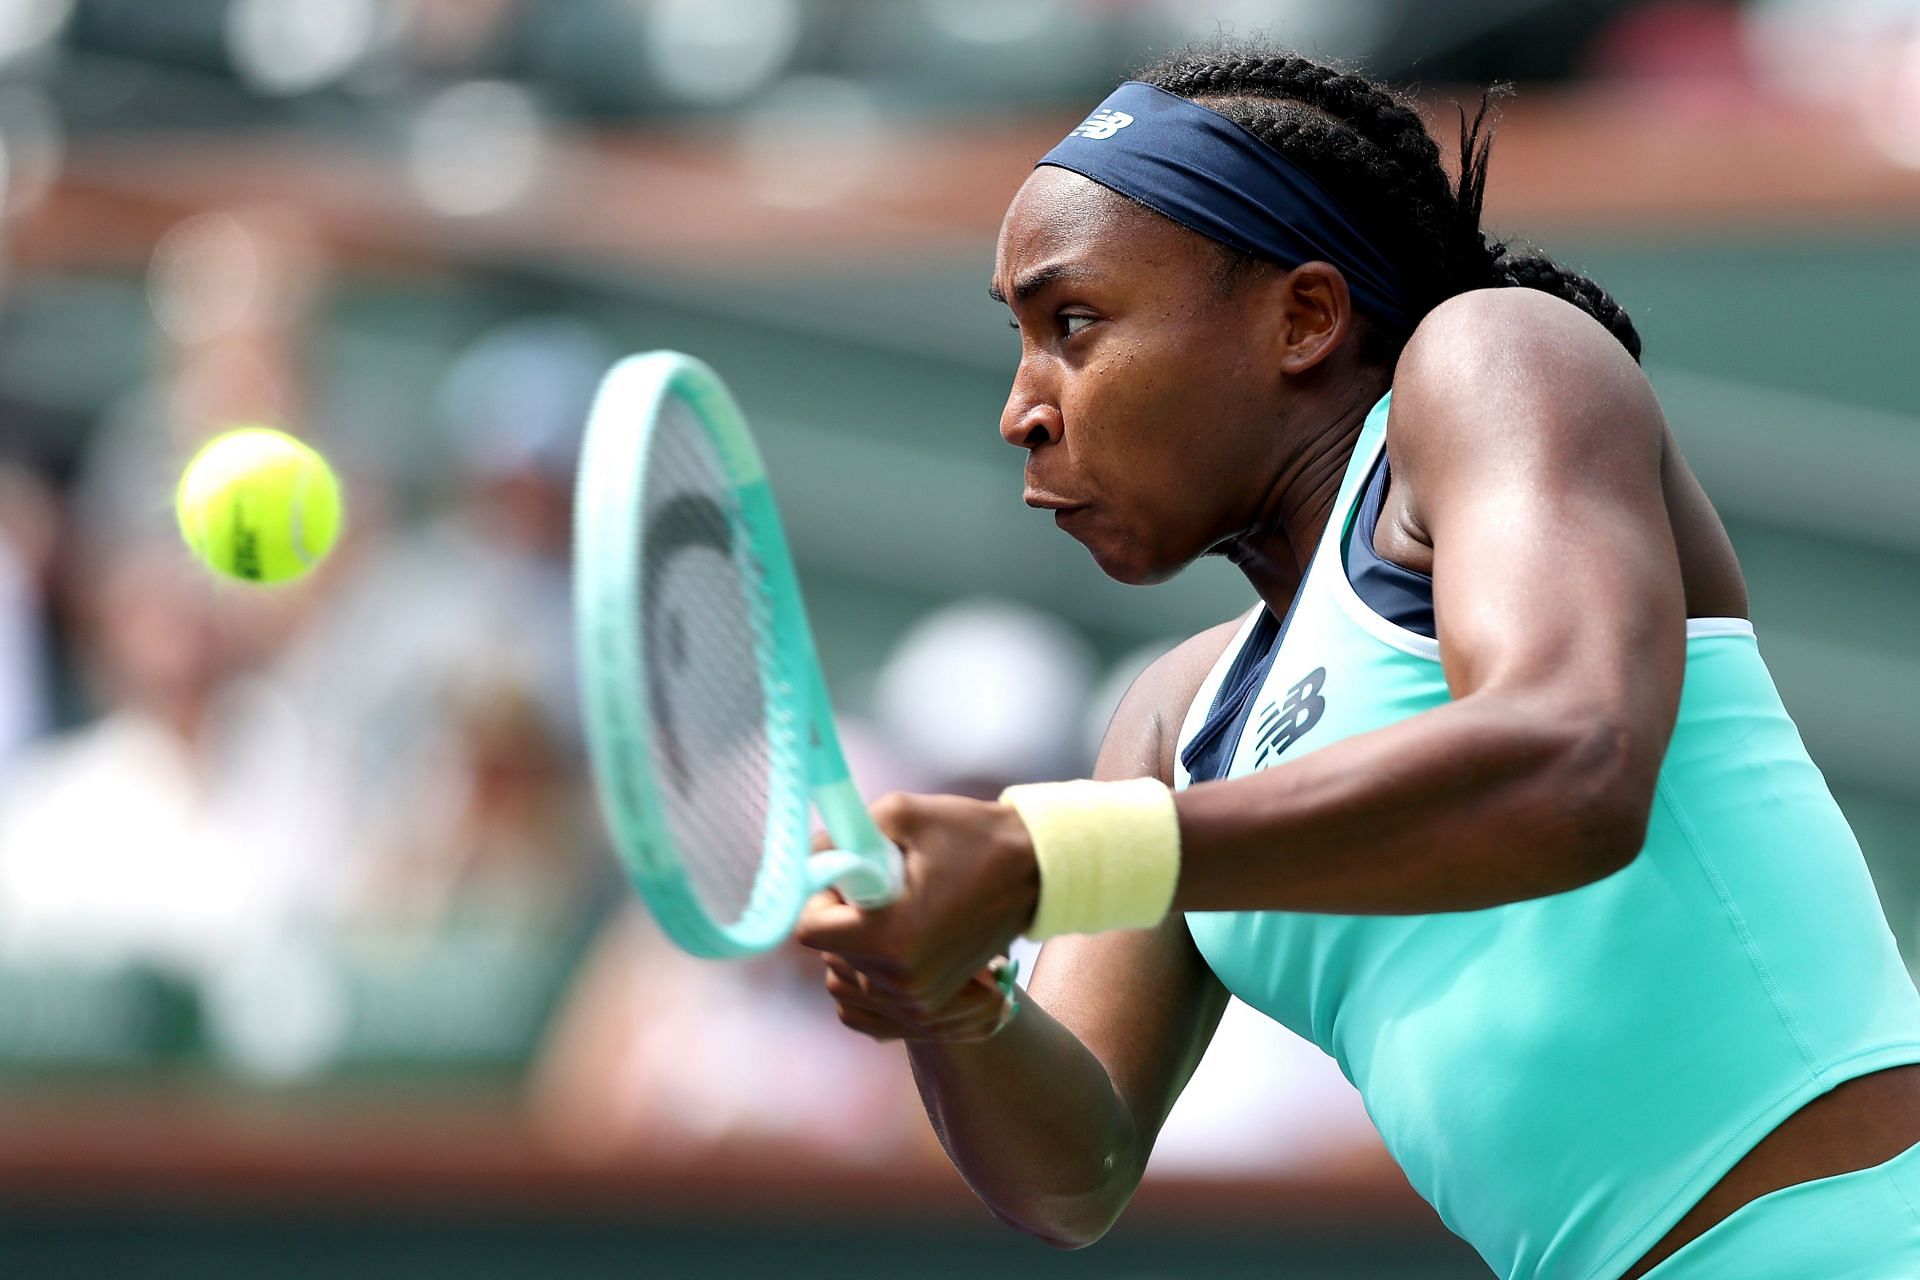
point(1109, 853)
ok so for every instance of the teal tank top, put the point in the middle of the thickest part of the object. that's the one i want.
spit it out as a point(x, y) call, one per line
point(1562, 1078)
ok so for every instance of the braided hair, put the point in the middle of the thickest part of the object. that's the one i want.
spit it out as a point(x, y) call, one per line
point(1370, 150)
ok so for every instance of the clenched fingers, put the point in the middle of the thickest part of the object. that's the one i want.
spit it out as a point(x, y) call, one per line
point(977, 1011)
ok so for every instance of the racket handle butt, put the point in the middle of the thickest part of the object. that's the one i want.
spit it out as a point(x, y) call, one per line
point(861, 880)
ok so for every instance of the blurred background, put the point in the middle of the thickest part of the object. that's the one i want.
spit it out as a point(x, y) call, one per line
point(312, 955)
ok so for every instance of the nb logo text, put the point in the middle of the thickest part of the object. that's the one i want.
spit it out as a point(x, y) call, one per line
point(1102, 124)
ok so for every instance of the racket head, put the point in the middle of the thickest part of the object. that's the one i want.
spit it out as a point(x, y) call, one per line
point(696, 664)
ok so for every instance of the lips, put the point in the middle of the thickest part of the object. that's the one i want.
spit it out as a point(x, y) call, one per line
point(1064, 509)
point(1063, 515)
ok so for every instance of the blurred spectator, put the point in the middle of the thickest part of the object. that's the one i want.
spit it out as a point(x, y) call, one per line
point(1685, 45)
point(986, 693)
point(178, 827)
point(191, 819)
point(27, 532)
point(443, 676)
point(494, 822)
point(21, 684)
point(1859, 56)
point(228, 293)
point(657, 1052)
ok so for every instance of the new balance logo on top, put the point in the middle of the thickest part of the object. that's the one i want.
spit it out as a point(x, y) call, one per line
point(1102, 124)
point(1282, 726)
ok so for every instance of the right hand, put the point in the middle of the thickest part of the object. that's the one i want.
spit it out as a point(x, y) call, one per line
point(877, 1010)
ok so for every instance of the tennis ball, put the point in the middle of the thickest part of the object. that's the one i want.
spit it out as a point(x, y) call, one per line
point(258, 505)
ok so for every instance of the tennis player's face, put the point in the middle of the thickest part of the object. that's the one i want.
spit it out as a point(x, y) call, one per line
point(1146, 395)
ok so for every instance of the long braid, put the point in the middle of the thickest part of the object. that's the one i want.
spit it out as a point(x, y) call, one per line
point(1371, 150)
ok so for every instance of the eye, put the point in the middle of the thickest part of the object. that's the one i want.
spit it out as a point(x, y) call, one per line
point(1069, 324)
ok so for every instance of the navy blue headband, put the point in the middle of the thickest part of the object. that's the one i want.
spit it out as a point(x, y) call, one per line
point(1211, 176)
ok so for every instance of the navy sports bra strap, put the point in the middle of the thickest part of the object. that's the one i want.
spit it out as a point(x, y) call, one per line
point(1209, 753)
point(1402, 596)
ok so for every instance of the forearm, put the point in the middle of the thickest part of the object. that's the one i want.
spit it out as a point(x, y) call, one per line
point(1031, 1120)
point(1466, 806)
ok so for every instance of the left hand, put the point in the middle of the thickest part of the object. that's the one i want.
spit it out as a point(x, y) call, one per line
point(980, 1011)
point(970, 887)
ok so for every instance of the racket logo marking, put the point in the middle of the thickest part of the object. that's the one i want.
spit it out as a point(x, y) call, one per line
point(1284, 724)
point(690, 522)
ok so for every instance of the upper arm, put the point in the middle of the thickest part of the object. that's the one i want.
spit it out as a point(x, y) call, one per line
point(1143, 1001)
point(1145, 728)
point(1531, 449)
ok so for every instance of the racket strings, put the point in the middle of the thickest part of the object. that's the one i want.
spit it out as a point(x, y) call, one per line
point(705, 605)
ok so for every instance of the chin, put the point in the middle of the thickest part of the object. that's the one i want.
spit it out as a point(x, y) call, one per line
point(1132, 570)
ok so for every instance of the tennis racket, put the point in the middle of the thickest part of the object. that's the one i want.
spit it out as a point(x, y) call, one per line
point(707, 717)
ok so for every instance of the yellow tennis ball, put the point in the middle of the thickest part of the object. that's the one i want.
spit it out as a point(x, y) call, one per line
point(258, 505)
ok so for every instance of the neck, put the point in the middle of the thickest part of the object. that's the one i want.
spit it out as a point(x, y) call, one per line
point(1274, 549)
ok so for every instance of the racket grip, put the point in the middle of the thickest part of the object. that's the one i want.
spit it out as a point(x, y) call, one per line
point(861, 880)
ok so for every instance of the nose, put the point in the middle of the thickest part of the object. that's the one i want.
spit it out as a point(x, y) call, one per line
point(1029, 420)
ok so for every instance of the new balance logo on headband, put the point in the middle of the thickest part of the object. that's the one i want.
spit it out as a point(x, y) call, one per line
point(1102, 124)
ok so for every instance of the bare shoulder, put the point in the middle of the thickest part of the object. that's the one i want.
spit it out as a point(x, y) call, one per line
point(1145, 728)
point(1488, 329)
point(1515, 386)
point(1483, 355)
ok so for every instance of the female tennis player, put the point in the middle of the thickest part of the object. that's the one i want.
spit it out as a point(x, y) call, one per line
point(1490, 796)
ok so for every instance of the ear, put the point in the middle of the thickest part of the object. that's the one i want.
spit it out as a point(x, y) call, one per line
point(1317, 315)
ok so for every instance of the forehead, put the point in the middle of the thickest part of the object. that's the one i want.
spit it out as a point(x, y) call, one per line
point(1058, 215)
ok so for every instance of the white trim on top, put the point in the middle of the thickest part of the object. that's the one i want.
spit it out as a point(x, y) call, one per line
point(1708, 628)
point(1203, 697)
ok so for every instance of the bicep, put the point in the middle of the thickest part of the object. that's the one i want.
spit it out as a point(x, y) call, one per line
point(1535, 472)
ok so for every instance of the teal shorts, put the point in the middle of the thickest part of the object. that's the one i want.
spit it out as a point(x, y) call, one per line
point(1863, 1225)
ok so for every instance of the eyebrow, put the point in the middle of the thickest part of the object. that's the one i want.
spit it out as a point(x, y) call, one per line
point(1042, 276)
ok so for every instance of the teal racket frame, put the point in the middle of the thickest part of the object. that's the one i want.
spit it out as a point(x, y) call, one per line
point(808, 765)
